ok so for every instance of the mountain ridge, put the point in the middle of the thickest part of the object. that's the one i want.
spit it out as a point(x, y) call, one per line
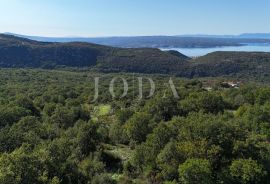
point(22, 52)
point(16, 52)
point(181, 41)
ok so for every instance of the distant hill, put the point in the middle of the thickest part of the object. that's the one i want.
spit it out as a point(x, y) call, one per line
point(256, 64)
point(145, 60)
point(20, 52)
point(184, 41)
point(240, 36)
point(255, 35)
point(238, 64)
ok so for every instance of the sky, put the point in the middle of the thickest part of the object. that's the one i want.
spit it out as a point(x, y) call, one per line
point(95, 18)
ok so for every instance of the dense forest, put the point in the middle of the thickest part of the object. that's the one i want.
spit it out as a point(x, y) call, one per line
point(52, 132)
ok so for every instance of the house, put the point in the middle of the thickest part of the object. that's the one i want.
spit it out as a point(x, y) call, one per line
point(230, 84)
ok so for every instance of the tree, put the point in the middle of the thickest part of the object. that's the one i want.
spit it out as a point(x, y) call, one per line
point(49, 108)
point(91, 166)
point(245, 171)
point(55, 180)
point(206, 102)
point(12, 114)
point(138, 127)
point(87, 138)
point(27, 103)
point(117, 134)
point(102, 179)
point(124, 115)
point(262, 95)
point(27, 130)
point(194, 171)
point(162, 108)
point(21, 167)
point(63, 117)
point(168, 160)
point(255, 117)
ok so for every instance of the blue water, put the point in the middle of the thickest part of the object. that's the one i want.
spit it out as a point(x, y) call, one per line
point(193, 52)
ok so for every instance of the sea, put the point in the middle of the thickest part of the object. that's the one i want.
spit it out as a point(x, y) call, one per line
point(248, 47)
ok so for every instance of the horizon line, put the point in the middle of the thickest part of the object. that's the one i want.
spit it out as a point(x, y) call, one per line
point(157, 35)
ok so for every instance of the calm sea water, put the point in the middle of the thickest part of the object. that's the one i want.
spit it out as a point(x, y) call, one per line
point(193, 52)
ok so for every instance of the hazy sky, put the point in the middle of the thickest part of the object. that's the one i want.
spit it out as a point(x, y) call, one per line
point(133, 17)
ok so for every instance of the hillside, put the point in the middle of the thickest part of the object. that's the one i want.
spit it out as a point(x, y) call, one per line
point(20, 52)
point(255, 64)
point(236, 64)
point(143, 61)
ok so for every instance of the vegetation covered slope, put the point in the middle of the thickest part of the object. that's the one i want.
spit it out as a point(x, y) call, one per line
point(242, 64)
point(19, 52)
point(255, 64)
point(145, 60)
